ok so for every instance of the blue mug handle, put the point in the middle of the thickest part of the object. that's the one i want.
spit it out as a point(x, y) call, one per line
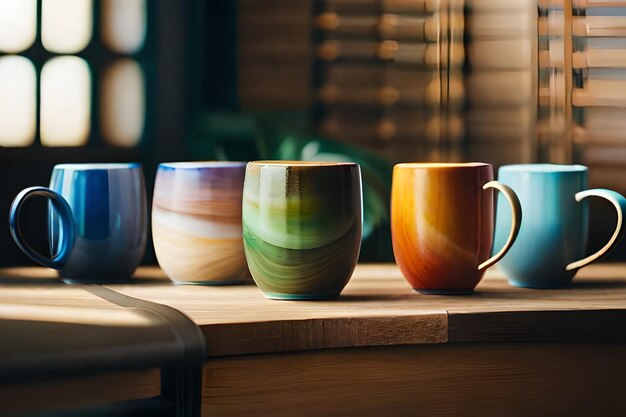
point(68, 231)
point(619, 203)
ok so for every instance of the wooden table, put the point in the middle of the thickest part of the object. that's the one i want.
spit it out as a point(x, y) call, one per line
point(71, 346)
point(383, 350)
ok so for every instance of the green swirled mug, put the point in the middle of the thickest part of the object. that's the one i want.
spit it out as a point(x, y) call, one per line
point(302, 227)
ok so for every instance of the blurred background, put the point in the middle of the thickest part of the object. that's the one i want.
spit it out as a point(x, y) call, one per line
point(372, 81)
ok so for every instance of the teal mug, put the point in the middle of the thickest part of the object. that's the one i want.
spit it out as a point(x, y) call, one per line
point(552, 240)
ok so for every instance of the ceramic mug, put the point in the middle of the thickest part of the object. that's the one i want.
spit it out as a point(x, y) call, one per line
point(553, 236)
point(442, 224)
point(97, 221)
point(196, 222)
point(302, 227)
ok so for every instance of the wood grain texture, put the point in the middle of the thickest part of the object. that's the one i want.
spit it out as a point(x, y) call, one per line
point(379, 312)
point(278, 336)
point(79, 392)
point(379, 308)
point(238, 319)
point(445, 380)
point(53, 330)
point(540, 326)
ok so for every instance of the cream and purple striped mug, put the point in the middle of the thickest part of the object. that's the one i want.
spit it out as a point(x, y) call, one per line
point(196, 222)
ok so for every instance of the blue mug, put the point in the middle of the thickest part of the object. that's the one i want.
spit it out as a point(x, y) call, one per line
point(97, 225)
point(552, 240)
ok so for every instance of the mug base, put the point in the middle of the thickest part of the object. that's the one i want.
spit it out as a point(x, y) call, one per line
point(99, 281)
point(443, 292)
point(300, 297)
point(532, 286)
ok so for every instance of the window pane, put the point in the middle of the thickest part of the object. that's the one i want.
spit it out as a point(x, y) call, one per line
point(124, 24)
point(17, 101)
point(17, 24)
point(122, 103)
point(66, 25)
point(65, 102)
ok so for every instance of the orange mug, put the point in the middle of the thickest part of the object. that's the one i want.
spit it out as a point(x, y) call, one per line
point(442, 223)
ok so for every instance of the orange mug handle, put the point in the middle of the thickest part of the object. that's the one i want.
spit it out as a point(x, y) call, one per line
point(516, 221)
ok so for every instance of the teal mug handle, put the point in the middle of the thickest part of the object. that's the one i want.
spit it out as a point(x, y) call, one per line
point(619, 202)
point(68, 231)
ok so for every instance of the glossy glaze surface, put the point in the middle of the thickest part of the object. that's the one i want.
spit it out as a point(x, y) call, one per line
point(302, 225)
point(442, 224)
point(196, 222)
point(554, 230)
point(108, 202)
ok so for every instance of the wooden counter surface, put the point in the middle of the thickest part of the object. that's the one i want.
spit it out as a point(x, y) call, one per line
point(395, 351)
point(67, 346)
point(399, 353)
point(378, 308)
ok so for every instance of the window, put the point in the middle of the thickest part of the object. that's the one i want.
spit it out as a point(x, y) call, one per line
point(72, 72)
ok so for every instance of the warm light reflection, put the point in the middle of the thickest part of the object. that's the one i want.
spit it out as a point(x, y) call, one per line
point(18, 82)
point(65, 102)
point(66, 25)
point(122, 103)
point(73, 315)
point(17, 24)
point(124, 24)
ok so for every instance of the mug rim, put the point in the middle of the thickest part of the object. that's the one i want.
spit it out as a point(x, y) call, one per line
point(107, 166)
point(202, 164)
point(294, 163)
point(441, 165)
point(544, 168)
